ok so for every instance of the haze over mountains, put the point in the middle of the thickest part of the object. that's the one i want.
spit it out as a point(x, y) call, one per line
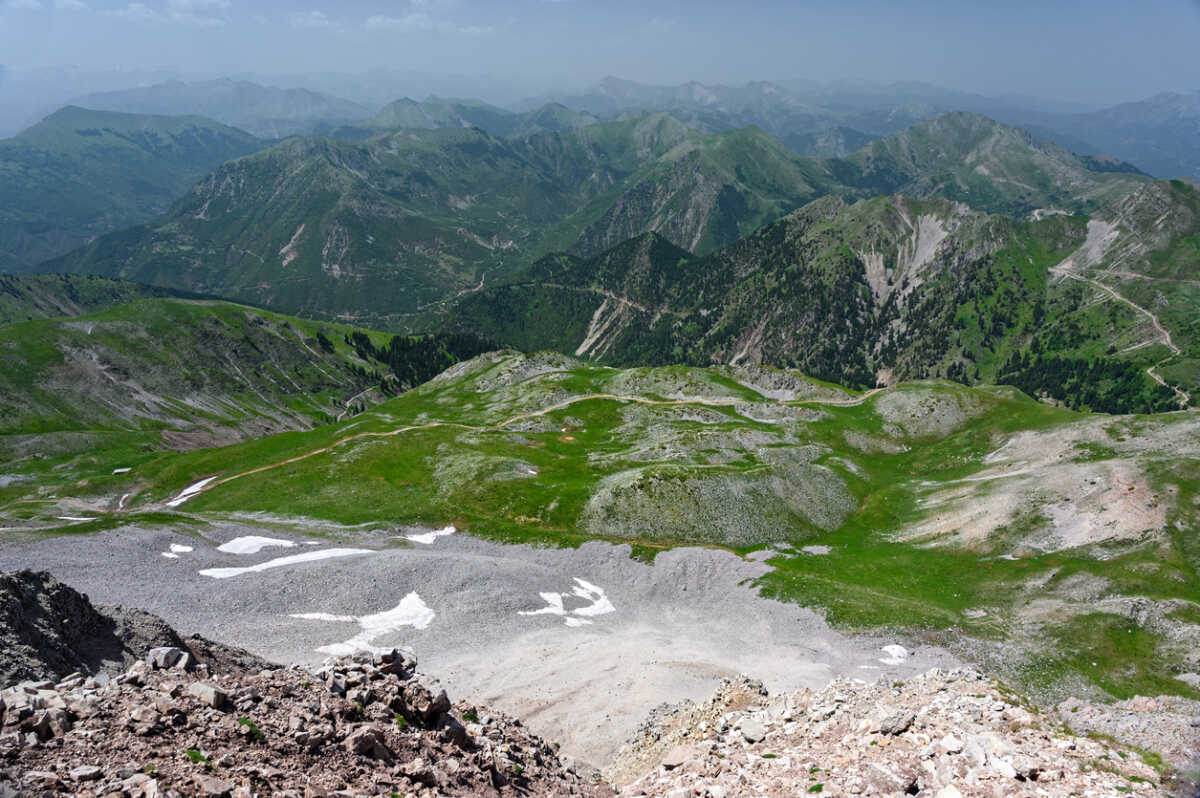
point(596, 391)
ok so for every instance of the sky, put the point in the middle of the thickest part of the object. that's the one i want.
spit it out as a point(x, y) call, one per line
point(1097, 52)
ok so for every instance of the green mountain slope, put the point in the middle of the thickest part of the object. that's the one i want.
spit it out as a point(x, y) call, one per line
point(991, 167)
point(436, 112)
point(192, 371)
point(953, 513)
point(265, 111)
point(79, 174)
point(181, 373)
point(40, 296)
point(882, 290)
point(372, 231)
point(377, 231)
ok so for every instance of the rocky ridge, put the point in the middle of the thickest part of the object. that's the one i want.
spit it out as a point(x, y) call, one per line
point(355, 727)
point(950, 734)
point(193, 717)
point(49, 630)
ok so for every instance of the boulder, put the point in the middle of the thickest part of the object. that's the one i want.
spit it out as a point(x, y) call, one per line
point(753, 730)
point(209, 695)
point(897, 723)
point(368, 740)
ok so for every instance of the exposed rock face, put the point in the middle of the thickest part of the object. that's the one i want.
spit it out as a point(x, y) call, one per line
point(947, 734)
point(197, 718)
point(355, 727)
point(49, 630)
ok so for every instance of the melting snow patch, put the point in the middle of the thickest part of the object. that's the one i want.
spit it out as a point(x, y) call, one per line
point(411, 611)
point(280, 562)
point(252, 544)
point(816, 549)
point(429, 537)
point(72, 518)
point(177, 548)
point(896, 655)
point(170, 556)
point(597, 598)
point(189, 492)
point(122, 470)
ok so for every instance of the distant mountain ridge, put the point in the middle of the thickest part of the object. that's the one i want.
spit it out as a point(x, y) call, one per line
point(1160, 134)
point(78, 174)
point(434, 113)
point(265, 111)
point(891, 289)
point(407, 219)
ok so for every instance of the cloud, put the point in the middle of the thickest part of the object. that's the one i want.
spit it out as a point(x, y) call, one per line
point(137, 12)
point(424, 22)
point(70, 5)
point(197, 13)
point(311, 19)
point(24, 5)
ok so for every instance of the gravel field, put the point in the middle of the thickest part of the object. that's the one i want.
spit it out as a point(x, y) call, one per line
point(581, 643)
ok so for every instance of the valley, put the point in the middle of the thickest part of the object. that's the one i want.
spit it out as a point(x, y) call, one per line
point(871, 408)
point(1030, 511)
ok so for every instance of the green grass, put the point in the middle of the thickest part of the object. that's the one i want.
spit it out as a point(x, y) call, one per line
point(550, 480)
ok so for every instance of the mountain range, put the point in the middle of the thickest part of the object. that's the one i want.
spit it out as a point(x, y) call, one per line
point(264, 111)
point(78, 174)
point(379, 230)
point(1158, 134)
point(892, 289)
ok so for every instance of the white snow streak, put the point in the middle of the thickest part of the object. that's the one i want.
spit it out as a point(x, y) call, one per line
point(280, 562)
point(252, 544)
point(411, 611)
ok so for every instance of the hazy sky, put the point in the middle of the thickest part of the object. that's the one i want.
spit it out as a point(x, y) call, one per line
point(1103, 50)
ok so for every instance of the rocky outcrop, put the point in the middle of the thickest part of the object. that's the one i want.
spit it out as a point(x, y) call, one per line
point(949, 734)
point(49, 630)
point(355, 727)
point(193, 717)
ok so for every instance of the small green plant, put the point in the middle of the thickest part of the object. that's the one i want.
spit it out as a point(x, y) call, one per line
point(1153, 759)
point(306, 684)
point(150, 768)
point(817, 788)
point(470, 716)
point(769, 756)
point(196, 757)
point(359, 709)
point(518, 769)
point(255, 734)
point(401, 723)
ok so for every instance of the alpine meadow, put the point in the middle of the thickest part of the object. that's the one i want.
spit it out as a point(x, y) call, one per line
point(530, 398)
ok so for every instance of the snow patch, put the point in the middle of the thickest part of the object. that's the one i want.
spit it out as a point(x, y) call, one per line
point(411, 611)
point(598, 604)
point(252, 544)
point(896, 655)
point(189, 492)
point(428, 537)
point(280, 562)
point(179, 548)
point(121, 470)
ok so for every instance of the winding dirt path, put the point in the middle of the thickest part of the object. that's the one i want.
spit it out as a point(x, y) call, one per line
point(180, 498)
point(1183, 396)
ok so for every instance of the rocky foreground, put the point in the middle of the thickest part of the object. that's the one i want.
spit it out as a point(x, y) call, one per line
point(949, 734)
point(365, 726)
point(192, 717)
point(141, 719)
